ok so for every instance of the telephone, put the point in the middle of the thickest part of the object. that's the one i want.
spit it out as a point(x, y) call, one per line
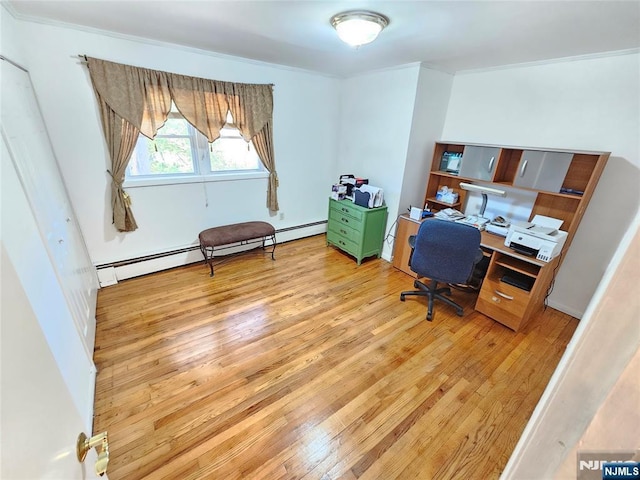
point(500, 222)
point(449, 214)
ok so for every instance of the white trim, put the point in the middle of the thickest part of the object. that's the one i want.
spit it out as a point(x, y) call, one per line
point(565, 309)
point(121, 36)
point(157, 43)
point(175, 180)
point(88, 415)
point(373, 71)
point(537, 63)
point(194, 256)
point(107, 276)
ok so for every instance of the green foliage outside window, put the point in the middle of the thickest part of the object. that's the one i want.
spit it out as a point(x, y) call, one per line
point(177, 148)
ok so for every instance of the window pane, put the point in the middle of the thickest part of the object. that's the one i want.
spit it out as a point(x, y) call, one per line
point(233, 154)
point(173, 156)
point(178, 149)
point(175, 126)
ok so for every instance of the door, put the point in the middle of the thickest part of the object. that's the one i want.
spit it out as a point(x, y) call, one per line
point(32, 155)
point(542, 170)
point(41, 238)
point(479, 162)
point(40, 422)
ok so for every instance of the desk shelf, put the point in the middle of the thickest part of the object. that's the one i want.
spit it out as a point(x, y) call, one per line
point(517, 265)
point(432, 200)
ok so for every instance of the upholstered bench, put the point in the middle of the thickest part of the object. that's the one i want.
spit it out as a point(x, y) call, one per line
point(217, 238)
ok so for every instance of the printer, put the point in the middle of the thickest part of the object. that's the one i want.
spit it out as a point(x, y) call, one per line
point(540, 238)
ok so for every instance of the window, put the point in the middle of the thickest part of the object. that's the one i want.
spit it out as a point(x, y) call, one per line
point(181, 151)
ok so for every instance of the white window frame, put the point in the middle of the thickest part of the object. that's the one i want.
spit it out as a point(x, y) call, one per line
point(201, 164)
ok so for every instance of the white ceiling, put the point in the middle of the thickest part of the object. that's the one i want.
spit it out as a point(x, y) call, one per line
point(448, 35)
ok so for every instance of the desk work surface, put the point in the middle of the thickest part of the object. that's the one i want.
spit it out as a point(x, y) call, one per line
point(488, 240)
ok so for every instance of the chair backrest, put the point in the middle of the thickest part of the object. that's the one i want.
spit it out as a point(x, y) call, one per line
point(445, 251)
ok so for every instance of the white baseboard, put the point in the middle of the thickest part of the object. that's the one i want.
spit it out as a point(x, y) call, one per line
point(110, 275)
point(157, 264)
point(564, 309)
point(107, 276)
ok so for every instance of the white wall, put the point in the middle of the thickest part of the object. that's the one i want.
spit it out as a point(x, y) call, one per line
point(430, 110)
point(376, 112)
point(583, 104)
point(589, 104)
point(584, 390)
point(10, 47)
point(170, 217)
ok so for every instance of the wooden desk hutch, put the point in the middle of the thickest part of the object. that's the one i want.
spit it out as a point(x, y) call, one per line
point(564, 182)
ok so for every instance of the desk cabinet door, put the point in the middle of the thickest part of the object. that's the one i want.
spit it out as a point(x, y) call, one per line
point(503, 302)
point(479, 162)
point(542, 170)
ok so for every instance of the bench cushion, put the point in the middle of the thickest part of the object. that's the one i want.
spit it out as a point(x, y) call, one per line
point(237, 232)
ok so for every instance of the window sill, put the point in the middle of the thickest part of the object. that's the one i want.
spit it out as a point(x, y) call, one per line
point(168, 180)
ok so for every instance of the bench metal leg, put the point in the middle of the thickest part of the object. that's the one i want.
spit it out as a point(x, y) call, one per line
point(207, 260)
point(273, 240)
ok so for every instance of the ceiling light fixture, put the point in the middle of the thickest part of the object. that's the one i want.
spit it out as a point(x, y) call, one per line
point(358, 27)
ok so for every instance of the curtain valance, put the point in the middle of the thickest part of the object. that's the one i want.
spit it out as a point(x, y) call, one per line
point(136, 100)
point(143, 97)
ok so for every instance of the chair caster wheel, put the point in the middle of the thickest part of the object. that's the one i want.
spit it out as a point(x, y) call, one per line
point(459, 312)
point(401, 298)
point(429, 317)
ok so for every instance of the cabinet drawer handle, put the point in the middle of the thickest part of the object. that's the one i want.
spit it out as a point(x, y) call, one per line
point(345, 210)
point(504, 295)
point(493, 159)
point(344, 232)
point(524, 168)
point(345, 220)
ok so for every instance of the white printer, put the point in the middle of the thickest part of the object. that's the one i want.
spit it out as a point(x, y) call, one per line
point(540, 238)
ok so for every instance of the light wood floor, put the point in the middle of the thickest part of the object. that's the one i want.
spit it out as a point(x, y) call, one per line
point(310, 367)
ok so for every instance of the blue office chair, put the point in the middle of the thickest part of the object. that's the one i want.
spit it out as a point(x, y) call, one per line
point(445, 252)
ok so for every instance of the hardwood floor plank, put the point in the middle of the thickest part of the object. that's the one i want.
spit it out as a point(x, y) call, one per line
point(310, 367)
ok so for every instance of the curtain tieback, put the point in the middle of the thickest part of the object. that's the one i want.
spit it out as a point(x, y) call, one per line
point(273, 176)
point(125, 196)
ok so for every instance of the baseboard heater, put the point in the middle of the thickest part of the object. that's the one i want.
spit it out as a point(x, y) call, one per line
point(169, 253)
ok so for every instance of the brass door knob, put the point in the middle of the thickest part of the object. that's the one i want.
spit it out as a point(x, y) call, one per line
point(101, 443)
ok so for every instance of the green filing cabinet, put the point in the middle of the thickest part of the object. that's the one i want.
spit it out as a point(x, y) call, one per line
point(357, 230)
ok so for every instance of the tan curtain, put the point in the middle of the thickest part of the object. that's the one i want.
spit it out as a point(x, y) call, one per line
point(121, 137)
point(251, 107)
point(139, 95)
point(202, 102)
point(121, 140)
point(263, 142)
point(139, 99)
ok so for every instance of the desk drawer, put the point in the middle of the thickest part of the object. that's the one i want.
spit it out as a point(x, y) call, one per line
point(503, 302)
point(342, 209)
point(344, 243)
